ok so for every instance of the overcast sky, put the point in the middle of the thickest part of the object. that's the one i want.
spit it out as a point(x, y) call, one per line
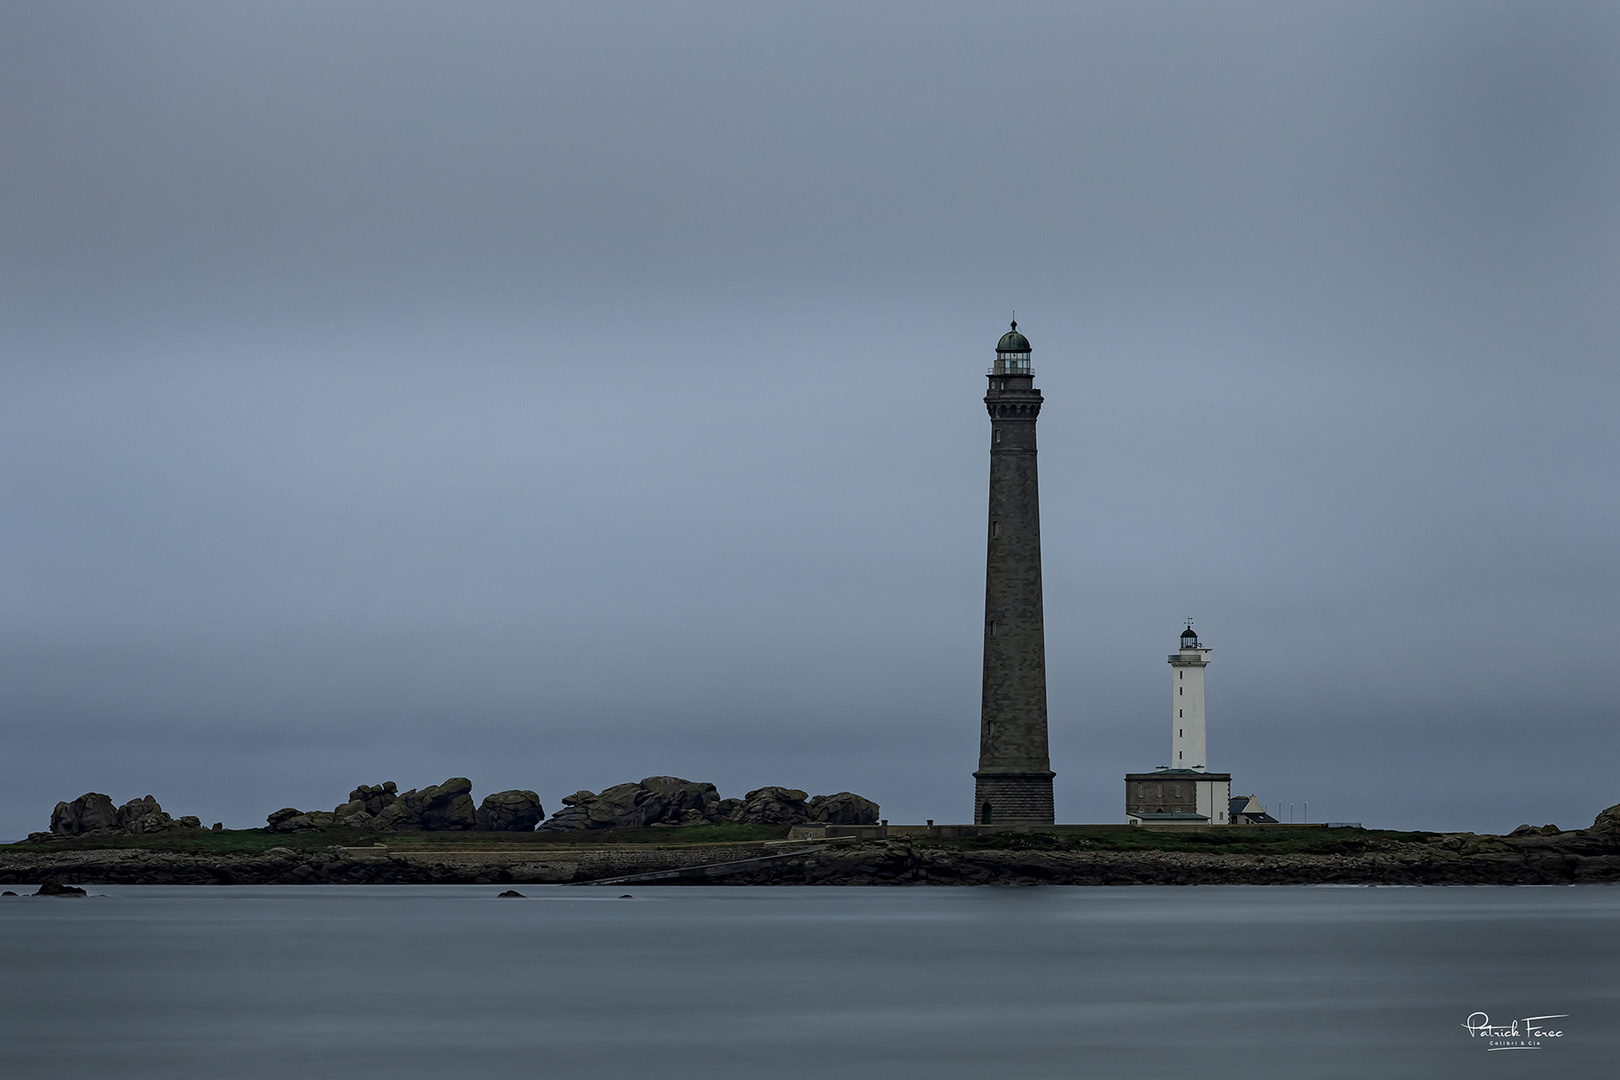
point(558, 395)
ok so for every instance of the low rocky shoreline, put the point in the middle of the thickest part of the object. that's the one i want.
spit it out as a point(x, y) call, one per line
point(357, 866)
point(1450, 860)
point(1583, 856)
point(754, 853)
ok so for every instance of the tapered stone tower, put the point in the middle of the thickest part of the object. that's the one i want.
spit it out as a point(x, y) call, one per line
point(1014, 782)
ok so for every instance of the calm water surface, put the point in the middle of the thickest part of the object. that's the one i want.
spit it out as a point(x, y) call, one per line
point(428, 981)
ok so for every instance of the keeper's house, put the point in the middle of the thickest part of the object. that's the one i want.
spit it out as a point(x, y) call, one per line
point(1178, 796)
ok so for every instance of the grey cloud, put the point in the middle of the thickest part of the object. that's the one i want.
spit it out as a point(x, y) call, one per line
point(559, 395)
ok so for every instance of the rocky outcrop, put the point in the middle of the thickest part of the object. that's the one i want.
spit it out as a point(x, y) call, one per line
point(290, 819)
point(1532, 830)
point(844, 808)
point(94, 812)
point(374, 799)
point(657, 800)
point(446, 807)
point(774, 806)
point(449, 807)
point(365, 803)
point(90, 812)
point(669, 800)
point(673, 801)
point(1608, 821)
point(510, 811)
point(401, 815)
point(143, 816)
point(575, 813)
point(618, 806)
point(352, 815)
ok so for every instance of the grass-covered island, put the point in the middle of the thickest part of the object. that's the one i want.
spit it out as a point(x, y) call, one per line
point(759, 853)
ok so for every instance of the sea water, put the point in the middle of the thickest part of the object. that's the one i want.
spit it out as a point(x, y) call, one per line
point(452, 981)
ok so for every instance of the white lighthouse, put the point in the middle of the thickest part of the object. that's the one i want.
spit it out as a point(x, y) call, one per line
point(1184, 792)
point(1187, 702)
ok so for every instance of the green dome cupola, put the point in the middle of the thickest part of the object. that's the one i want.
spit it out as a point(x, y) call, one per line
point(1012, 353)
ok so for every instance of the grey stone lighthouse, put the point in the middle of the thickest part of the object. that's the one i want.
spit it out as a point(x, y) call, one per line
point(1014, 782)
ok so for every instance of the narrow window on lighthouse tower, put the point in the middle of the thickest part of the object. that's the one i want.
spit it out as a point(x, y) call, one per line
point(998, 435)
point(995, 529)
point(992, 628)
point(993, 634)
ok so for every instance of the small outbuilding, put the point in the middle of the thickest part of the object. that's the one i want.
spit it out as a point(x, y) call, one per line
point(1247, 810)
